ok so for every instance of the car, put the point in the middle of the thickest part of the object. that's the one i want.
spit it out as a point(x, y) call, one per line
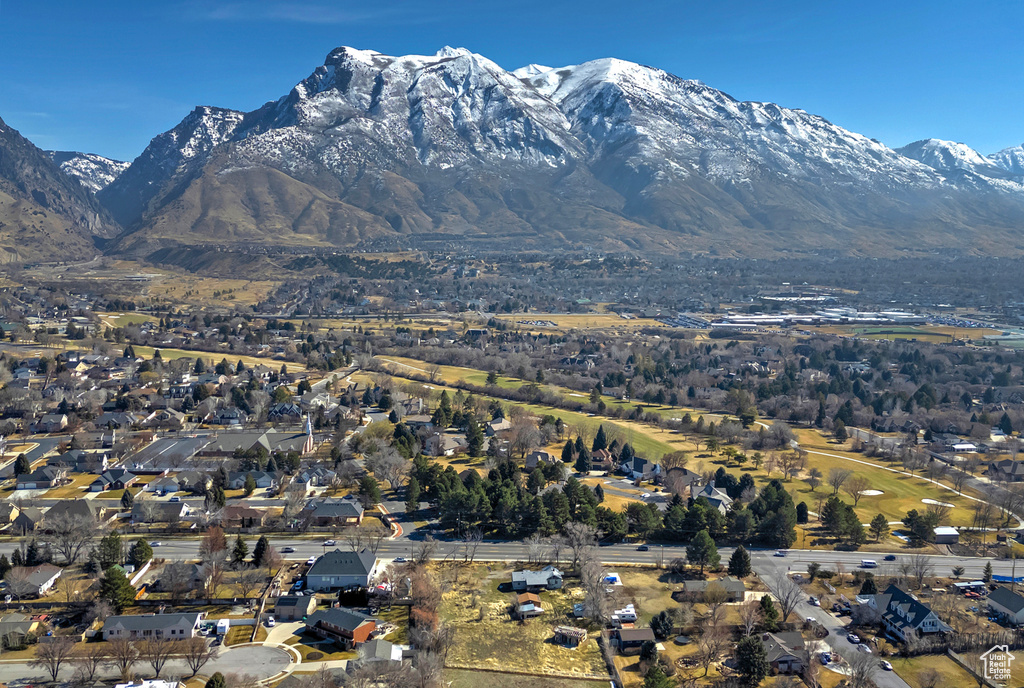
point(174, 499)
point(890, 557)
point(853, 638)
point(270, 622)
point(780, 553)
point(810, 620)
point(155, 543)
point(400, 560)
point(814, 602)
point(287, 550)
point(642, 548)
point(329, 543)
point(311, 561)
point(864, 648)
point(825, 657)
point(885, 665)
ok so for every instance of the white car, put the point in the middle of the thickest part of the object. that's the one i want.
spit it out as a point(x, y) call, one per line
point(270, 622)
point(329, 543)
point(853, 638)
point(864, 648)
point(885, 665)
point(155, 543)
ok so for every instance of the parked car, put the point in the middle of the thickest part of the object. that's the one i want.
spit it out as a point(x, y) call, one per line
point(270, 622)
point(853, 638)
point(814, 602)
point(885, 665)
point(174, 499)
point(825, 657)
point(864, 648)
point(400, 560)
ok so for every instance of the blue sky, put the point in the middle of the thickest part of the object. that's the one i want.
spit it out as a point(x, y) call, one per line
point(106, 76)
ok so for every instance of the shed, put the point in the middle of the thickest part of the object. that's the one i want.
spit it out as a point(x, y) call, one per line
point(945, 535)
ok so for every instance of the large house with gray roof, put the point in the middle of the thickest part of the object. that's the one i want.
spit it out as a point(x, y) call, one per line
point(548, 578)
point(904, 616)
point(177, 626)
point(339, 570)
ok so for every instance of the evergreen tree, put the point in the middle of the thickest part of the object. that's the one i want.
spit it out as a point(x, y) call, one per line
point(116, 589)
point(140, 553)
point(217, 681)
point(474, 437)
point(536, 482)
point(662, 625)
point(240, 551)
point(600, 441)
point(369, 491)
point(200, 367)
point(568, 456)
point(801, 512)
point(868, 587)
point(839, 431)
point(985, 576)
point(739, 563)
point(752, 660)
point(702, 551)
point(599, 493)
point(769, 614)
point(656, 678)
point(22, 466)
point(583, 462)
point(879, 526)
point(412, 495)
point(250, 484)
point(271, 464)
point(259, 552)
point(17, 559)
point(219, 498)
point(492, 378)
point(5, 566)
point(127, 500)
point(1005, 424)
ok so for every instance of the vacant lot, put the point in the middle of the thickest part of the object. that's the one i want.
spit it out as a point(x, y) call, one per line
point(467, 678)
point(950, 673)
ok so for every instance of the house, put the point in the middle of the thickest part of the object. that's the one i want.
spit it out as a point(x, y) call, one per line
point(264, 480)
point(227, 443)
point(165, 419)
point(241, 516)
point(629, 640)
point(570, 636)
point(602, 460)
point(538, 457)
point(149, 511)
point(345, 627)
point(284, 413)
point(81, 461)
point(375, 651)
point(1007, 604)
point(548, 578)
point(42, 477)
point(682, 481)
point(946, 535)
point(785, 652)
point(734, 588)
point(52, 422)
point(229, 415)
point(339, 570)
point(717, 498)
point(194, 481)
point(417, 421)
point(528, 605)
point(27, 520)
point(315, 477)
point(87, 509)
point(642, 469)
point(38, 579)
point(14, 627)
point(905, 616)
point(8, 512)
point(116, 421)
point(113, 479)
point(444, 444)
point(1006, 470)
point(331, 512)
point(176, 626)
point(165, 484)
point(294, 607)
point(497, 425)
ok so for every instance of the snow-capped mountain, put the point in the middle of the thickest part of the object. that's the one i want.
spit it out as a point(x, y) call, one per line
point(606, 153)
point(1010, 159)
point(957, 158)
point(94, 171)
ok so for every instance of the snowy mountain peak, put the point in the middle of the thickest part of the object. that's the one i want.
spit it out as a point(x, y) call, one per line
point(944, 155)
point(1010, 159)
point(95, 172)
point(530, 70)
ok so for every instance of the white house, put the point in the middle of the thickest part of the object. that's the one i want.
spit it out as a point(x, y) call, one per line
point(174, 626)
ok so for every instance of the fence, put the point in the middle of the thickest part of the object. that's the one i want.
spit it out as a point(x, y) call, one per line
point(965, 642)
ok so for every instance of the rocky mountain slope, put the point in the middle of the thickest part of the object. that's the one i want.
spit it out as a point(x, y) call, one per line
point(94, 171)
point(44, 213)
point(610, 154)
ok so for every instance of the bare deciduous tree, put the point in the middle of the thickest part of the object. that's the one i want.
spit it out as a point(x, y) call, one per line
point(52, 655)
point(920, 568)
point(786, 592)
point(197, 652)
point(122, 655)
point(578, 536)
point(712, 643)
point(88, 659)
point(71, 534)
point(855, 487)
point(750, 616)
point(157, 650)
point(836, 478)
point(249, 579)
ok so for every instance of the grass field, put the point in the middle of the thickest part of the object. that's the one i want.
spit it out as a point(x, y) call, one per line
point(211, 357)
point(950, 673)
point(468, 678)
point(578, 321)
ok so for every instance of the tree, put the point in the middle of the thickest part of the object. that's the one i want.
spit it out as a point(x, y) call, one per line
point(250, 484)
point(739, 563)
point(752, 660)
point(786, 592)
point(813, 478)
point(855, 487)
point(712, 643)
point(600, 441)
point(239, 552)
point(836, 478)
point(750, 616)
point(369, 491)
point(474, 437)
point(412, 495)
point(87, 661)
point(214, 545)
point(958, 571)
point(987, 573)
point(71, 534)
point(52, 655)
point(662, 625)
point(656, 678)
point(259, 552)
point(869, 587)
point(879, 526)
point(702, 551)
point(583, 462)
point(157, 650)
point(197, 652)
point(127, 500)
point(123, 655)
point(22, 465)
point(116, 589)
point(769, 614)
point(140, 553)
point(216, 681)
point(109, 551)
point(802, 512)
point(839, 431)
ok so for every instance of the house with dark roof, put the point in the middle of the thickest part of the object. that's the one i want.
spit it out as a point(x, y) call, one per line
point(905, 616)
point(294, 607)
point(150, 511)
point(81, 461)
point(629, 640)
point(734, 589)
point(165, 484)
point(227, 443)
point(176, 626)
point(374, 652)
point(785, 652)
point(1006, 470)
point(284, 413)
point(346, 627)
point(1007, 604)
point(38, 579)
point(339, 570)
point(27, 520)
point(548, 578)
point(331, 512)
point(113, 479)
point(717, 498)
point(14, 627)
point(42, 477)
point(242, 516)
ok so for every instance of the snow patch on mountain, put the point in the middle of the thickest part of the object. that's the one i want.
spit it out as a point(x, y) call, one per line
point(95, 172)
